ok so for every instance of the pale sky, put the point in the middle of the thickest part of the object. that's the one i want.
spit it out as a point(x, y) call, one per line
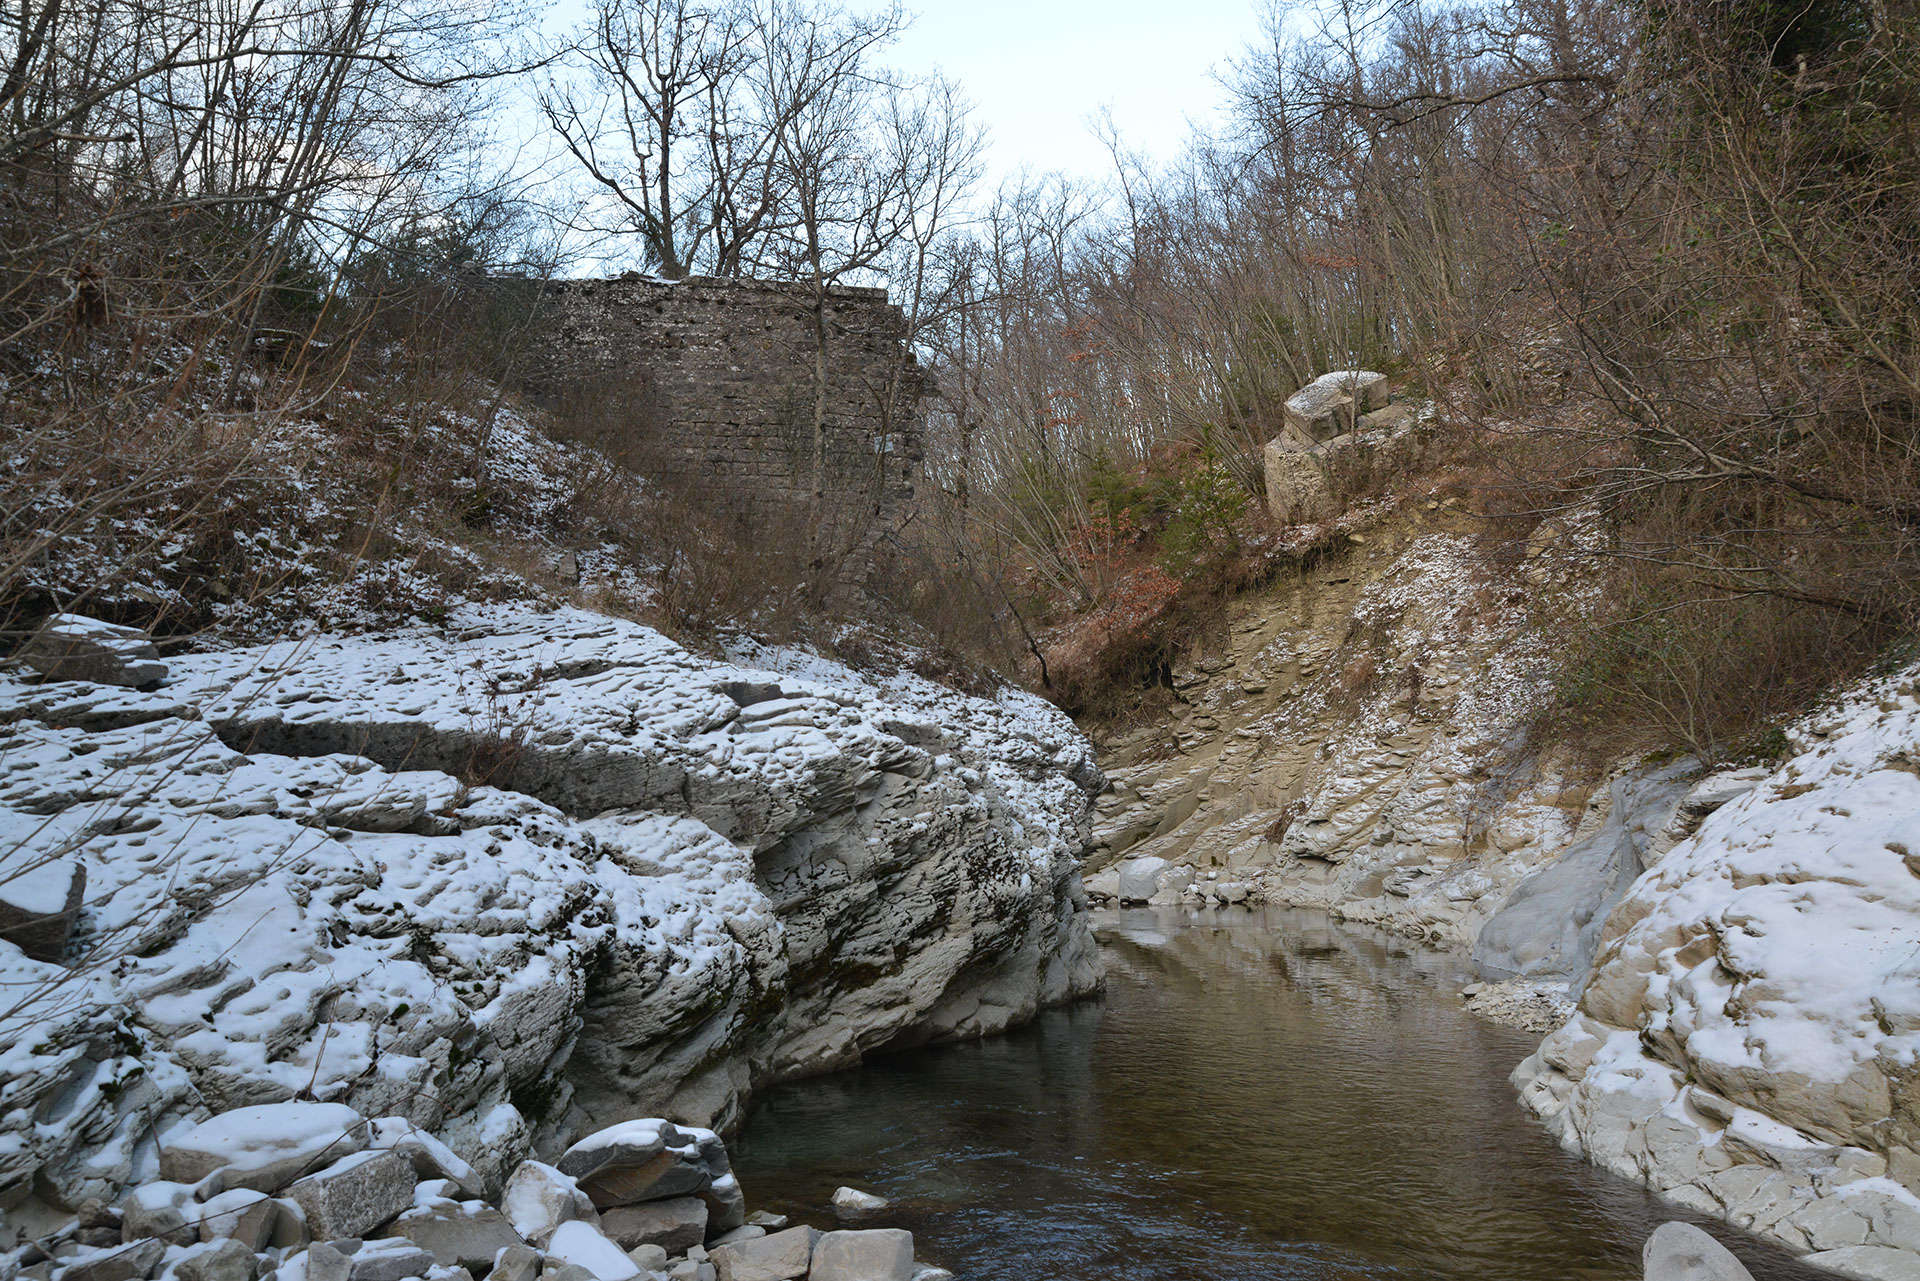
point(1037, 70)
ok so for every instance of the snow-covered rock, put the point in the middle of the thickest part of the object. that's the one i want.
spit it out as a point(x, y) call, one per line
point(264, 1147)
point(534, 870)
point(539, 1199)
point(586, 1246)
point(1749, 1042)
point(73, 647)
point(853, 1201)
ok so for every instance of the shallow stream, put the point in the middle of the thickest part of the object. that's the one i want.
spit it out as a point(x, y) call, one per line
point(1258, 1095)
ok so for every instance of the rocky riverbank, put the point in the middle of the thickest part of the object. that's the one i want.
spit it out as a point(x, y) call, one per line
point(1748, 1039)
point(506, 880)
point(1725, 961)
point(315, 1192)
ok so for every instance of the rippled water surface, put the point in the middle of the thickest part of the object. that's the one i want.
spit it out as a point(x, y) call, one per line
point(1258, 1095)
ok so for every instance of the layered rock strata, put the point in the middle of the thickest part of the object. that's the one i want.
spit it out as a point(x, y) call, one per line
point(503, 880)
point(1749, 1037)
point(1359, 738)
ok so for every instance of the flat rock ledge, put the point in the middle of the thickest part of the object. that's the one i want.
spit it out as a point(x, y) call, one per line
point(505, 881)
point(316, 1192)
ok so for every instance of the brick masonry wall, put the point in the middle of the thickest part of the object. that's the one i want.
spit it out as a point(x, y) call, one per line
point(708, 385)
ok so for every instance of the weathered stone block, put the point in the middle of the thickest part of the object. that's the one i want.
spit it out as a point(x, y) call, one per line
point(354, 1195)
point(265, 1147)
point(874, 1254)
point(73, 647)
point(675, 1224)
point(1331, 404)
point(457, 1234)
point(780, 1256)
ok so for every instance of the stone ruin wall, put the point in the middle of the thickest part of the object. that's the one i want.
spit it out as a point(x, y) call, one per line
point(707, 385)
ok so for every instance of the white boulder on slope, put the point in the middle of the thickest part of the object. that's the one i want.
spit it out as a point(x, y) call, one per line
point(539, 869)
point(1749, 1042)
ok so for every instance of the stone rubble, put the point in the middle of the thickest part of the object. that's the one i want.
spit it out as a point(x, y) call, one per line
point(398, 1226)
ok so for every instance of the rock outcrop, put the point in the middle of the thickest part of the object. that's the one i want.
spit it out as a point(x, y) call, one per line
point(1358, 739)
point(72, 647)
point(1741, 946)
point(1747, 1042)
point(1339, 436)
point(537, 871)
point(1549, 927)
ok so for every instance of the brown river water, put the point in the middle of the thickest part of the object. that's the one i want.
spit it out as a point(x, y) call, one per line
point(1258, 1096)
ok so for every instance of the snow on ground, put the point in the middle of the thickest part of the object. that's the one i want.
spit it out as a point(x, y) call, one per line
point(451, 874)
point(266, 533)
point(1750, 1040)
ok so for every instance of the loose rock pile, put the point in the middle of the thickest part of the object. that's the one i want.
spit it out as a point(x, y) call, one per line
point(316, 1192)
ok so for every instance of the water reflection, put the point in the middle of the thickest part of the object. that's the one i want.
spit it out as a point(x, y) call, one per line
point(1258, 1095)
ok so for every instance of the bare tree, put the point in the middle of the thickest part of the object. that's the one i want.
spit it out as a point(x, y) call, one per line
point(653, 108)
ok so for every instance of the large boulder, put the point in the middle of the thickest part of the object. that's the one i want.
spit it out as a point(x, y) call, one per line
point(645, 1160)
point(220, 1260)
point(675, 1224)
point(265, 1147)
point(1311, 480)
point(458, 1234)
point(1332, 403)
point(388, 1259)
point(165, 1211)
point(778, 1256)
point(242, 1214)
point(585, 1246)
point(1682, 1252)
point(875, 1254)
point(73, 647)
point(1296, 481)
point(539, 1199)
point(1140, 879)
point(354, 1195)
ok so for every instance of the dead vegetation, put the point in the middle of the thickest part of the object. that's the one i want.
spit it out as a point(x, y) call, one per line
point(1652, 264)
